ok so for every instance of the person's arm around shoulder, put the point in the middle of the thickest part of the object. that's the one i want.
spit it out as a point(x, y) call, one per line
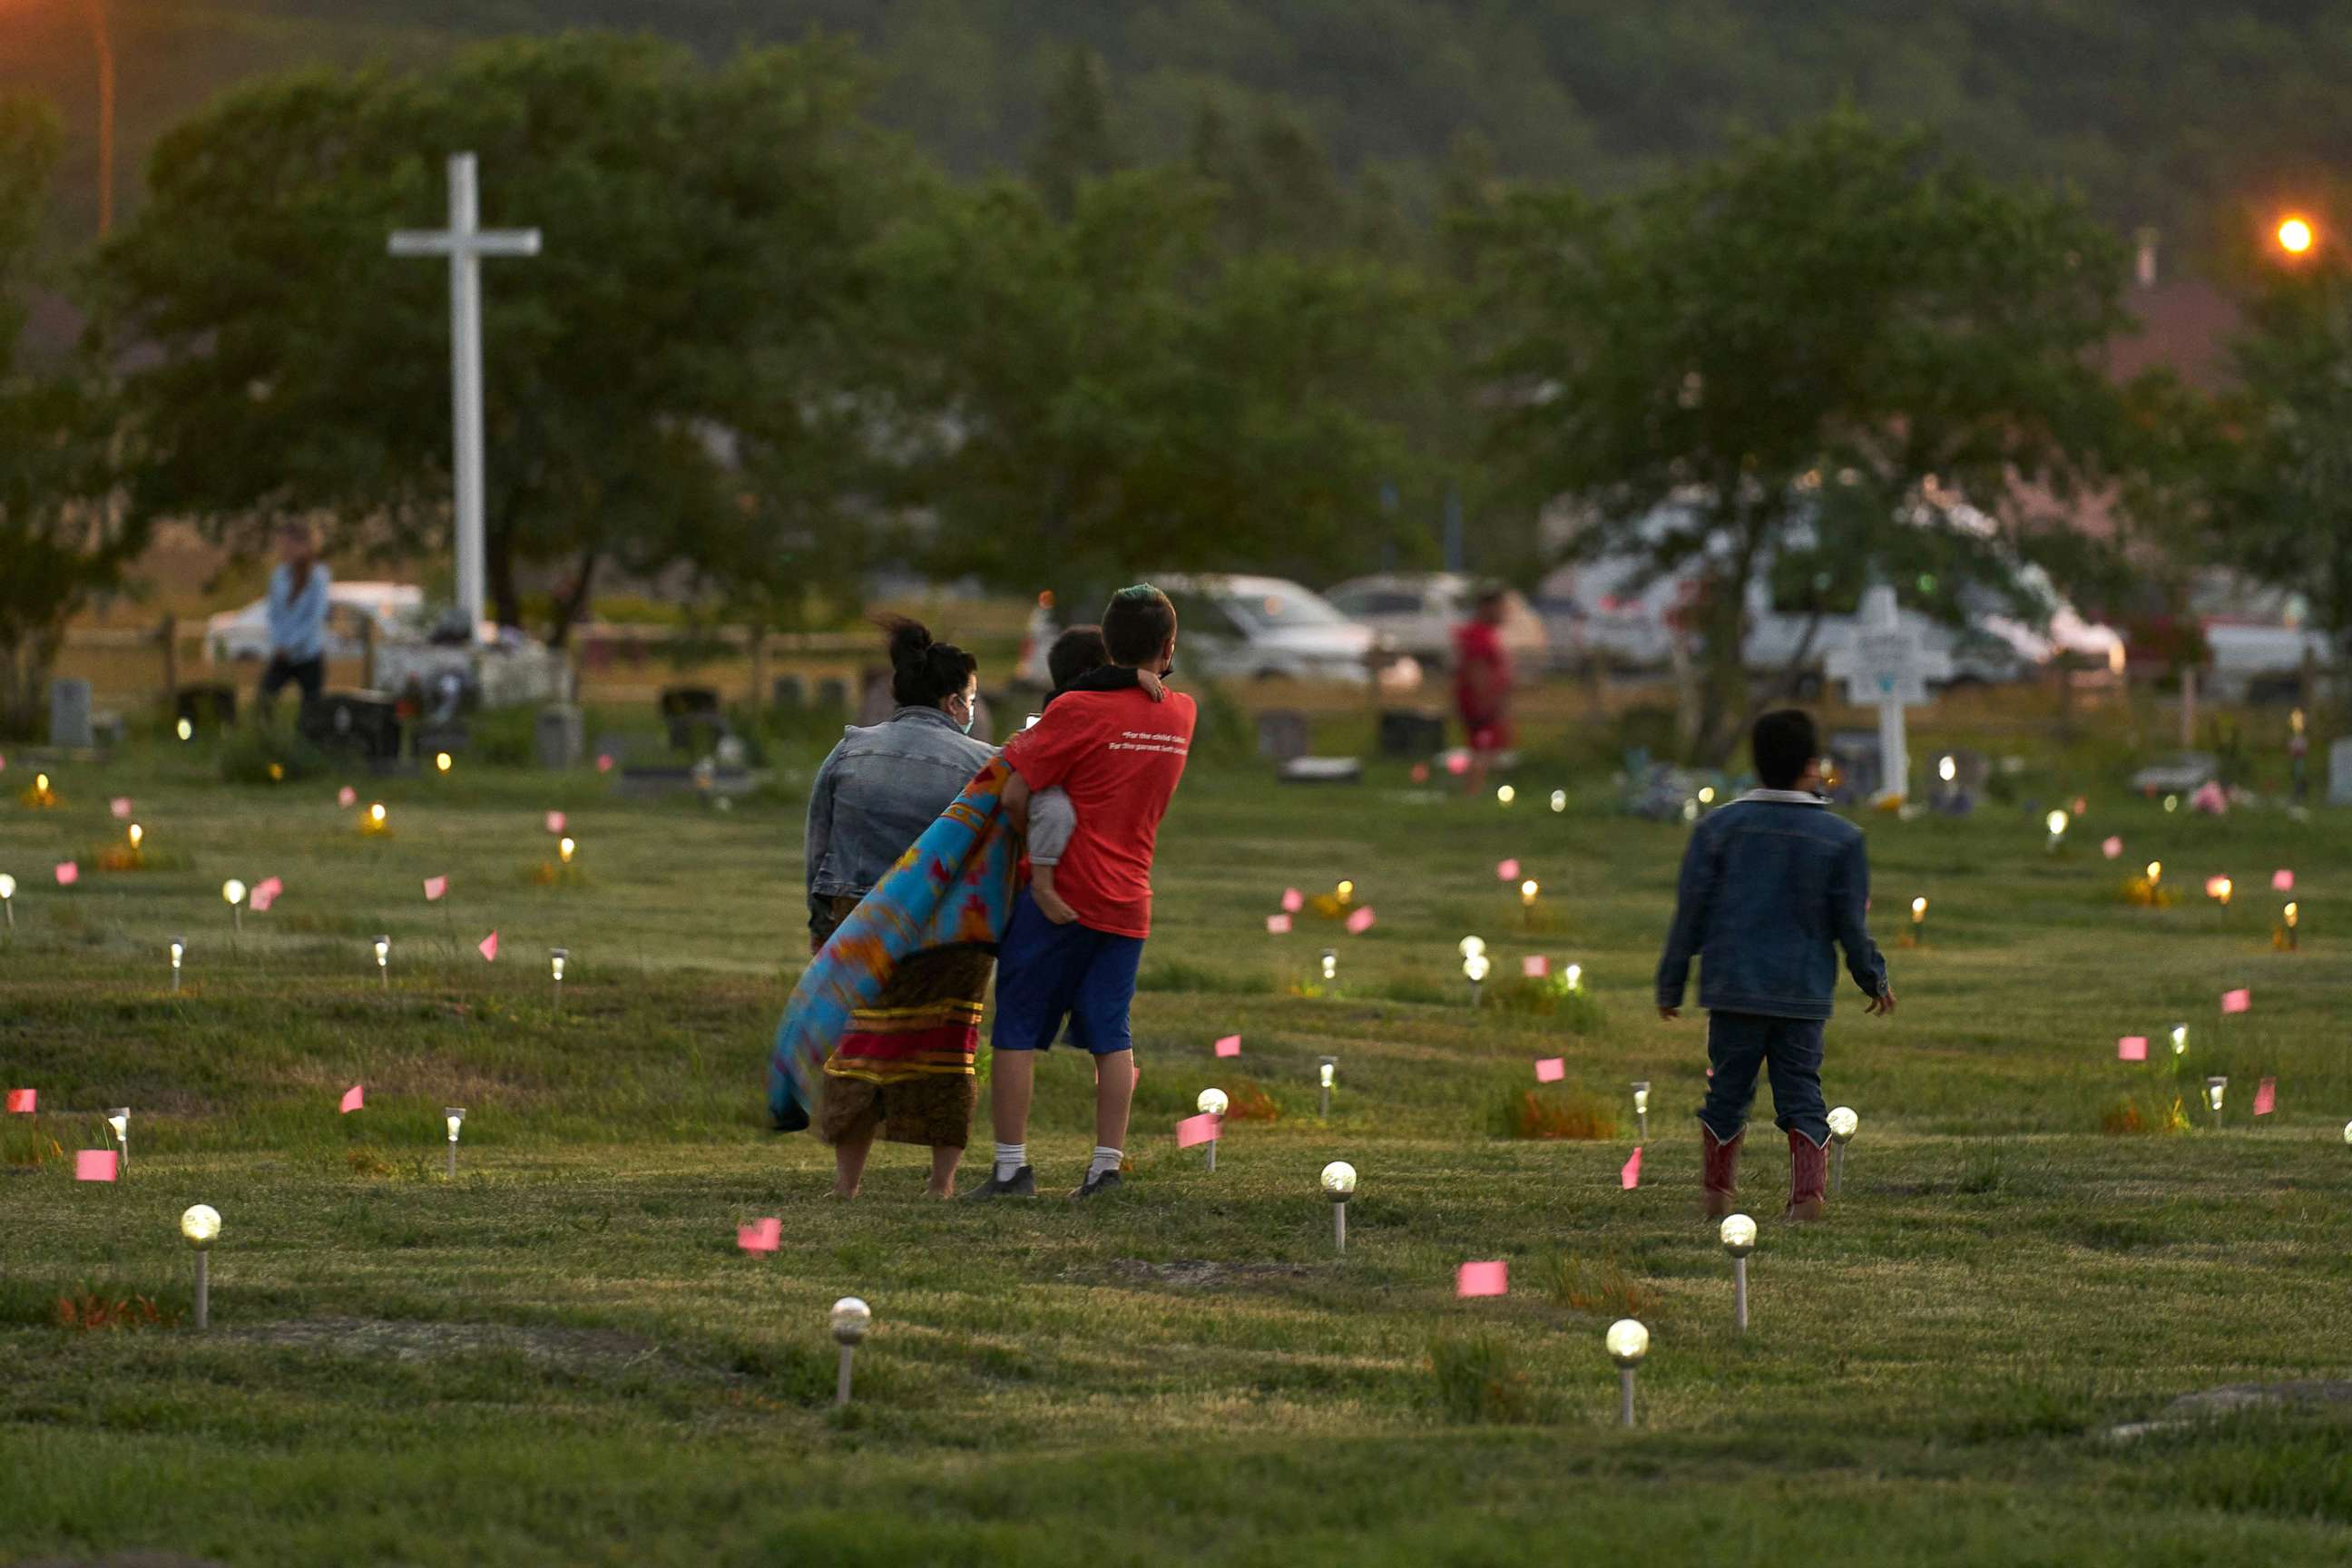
point(1848, 912)
point(1694, 891)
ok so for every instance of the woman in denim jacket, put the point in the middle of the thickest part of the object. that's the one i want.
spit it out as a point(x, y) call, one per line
point(904, 1068)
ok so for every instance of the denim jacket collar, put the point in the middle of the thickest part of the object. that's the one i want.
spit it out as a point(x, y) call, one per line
point(916, 714)
point(1784, 797)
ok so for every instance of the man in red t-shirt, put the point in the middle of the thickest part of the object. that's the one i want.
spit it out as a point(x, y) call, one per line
point(1482, 684)
point(1119, 755)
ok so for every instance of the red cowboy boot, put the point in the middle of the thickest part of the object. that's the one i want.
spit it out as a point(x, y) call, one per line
point(1809, 1175)
point(1719, 1170)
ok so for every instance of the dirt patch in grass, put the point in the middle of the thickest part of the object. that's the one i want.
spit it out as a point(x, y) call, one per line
point(2238, 1398)
point(1201, 1273)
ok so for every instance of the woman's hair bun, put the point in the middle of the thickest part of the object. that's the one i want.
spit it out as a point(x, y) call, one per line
point(910, 640)
point(923, 671)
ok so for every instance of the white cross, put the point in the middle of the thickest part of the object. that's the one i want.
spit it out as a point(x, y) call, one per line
point(1885, 664)
point(464, 242)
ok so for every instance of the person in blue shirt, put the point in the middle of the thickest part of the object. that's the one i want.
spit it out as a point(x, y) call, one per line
point(297, 617)
point(1772, 886)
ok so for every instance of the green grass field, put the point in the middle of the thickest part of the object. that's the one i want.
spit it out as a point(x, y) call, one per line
point(561, 1357)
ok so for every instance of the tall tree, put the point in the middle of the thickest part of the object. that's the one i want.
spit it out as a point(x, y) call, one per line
point(676, 346)
point(1832, 357)
point(62, 538)
point(2283, 505)
point(1115, 392)
point(1077, 145)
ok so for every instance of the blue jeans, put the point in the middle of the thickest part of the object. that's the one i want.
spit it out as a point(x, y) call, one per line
point(1740, 1045)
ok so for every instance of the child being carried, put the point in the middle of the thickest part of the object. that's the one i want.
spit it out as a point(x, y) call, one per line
point(1078, 661)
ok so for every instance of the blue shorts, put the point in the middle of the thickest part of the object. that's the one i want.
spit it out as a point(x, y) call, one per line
point(1046, 972)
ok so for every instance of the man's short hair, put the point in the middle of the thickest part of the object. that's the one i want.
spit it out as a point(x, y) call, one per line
point(1136, 623)
point(1784, 740)
point(1074, 653)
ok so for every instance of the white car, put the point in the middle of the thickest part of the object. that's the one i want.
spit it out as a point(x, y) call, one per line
point(236, 636)
point(1417, 612)
point(1267, 629)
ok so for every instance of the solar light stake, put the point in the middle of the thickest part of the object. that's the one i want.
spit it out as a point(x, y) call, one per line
point(1330, 963)
point(455, 1115)
point(200, 1226)
point(1641, 1107)
point(1628, 1342)
point(1339, 1184)
point(1739, 1237)
point(2214, 1089)
point(1330, 1071)
point(233, 893)
point(851, 1317)
point(555, 960)
point(119, 1120)
point(1844, 1123)
point(179, 951)
point(1212, 1102)
point(383, 961)
point(8, 899)
point(1475, 967)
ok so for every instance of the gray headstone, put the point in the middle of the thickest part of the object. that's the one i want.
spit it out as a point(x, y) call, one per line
point(1282, 735)
point(69, 713)
point(560, 736)
point(2339, 772)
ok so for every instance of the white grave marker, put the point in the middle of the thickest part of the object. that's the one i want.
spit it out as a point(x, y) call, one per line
point(1887, 665)
point(464, 242)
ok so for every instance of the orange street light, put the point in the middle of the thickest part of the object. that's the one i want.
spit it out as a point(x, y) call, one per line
point(2295, 236)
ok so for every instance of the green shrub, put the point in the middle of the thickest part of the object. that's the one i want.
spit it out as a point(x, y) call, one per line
point(1477, 1381)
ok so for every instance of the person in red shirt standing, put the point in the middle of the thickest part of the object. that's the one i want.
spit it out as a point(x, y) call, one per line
point(1482, 684)
point(1118, 756)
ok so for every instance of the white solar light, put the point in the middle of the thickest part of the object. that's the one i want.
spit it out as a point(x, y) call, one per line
point(1843, 1125)
point(1560, 800)
point(1330, 963)
point(453, 1117)
point(1641, 1106)
point(1737, 1235)
point(2214, 1089)
point(1507, 794)
point(200, 1226)
point(1469, 945)
point(1628, 1342)
point(188, 730)
point(1947, 769)
point(119, 1120)
point(1339, 1185)
point(851, 1320)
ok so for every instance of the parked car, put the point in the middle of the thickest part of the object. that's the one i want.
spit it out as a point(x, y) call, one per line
point(1267, 629)
point(235, 637)
point(1416, 612)
point(1607, 605)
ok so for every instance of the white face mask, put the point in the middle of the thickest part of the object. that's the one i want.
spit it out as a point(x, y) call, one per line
point(970, 713)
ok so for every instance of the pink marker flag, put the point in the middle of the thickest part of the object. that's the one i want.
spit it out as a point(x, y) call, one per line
point(2112, 848)
point(353, 1098)
point(603, 762)
point(1457, 763)
point(119, 806)
point(265, 893)
point(94, 1164)
point(347, 797)
point(2266, 1097)
point(1201, 1128)
point(2132, 1049)
point(489, 946)
point(1278, 925)
point(1481, 1279)
point(2238, 1001)
point(1535, 966)
point(759, 1235)
point(68, 874)
point(1507, 870)
point(435, 886)
point(1420, 773)
point(23, 1102)
point(555, 822)
point(1551, 1070)
point(1230, 1046)
point(1293, 900)
point(2282, 880)
point(1360, 922)
point(1630, 1176)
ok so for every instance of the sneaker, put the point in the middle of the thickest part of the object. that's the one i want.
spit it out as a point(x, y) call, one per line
point(1095, 1186)
point(1020, 1184)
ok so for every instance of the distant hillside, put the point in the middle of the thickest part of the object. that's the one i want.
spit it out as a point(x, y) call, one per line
point(2165, 111)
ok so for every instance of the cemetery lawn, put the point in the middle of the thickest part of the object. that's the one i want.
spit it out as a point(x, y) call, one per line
point(561, 1357)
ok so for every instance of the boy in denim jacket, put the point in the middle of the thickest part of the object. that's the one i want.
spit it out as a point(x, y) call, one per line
point(1772, 886)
